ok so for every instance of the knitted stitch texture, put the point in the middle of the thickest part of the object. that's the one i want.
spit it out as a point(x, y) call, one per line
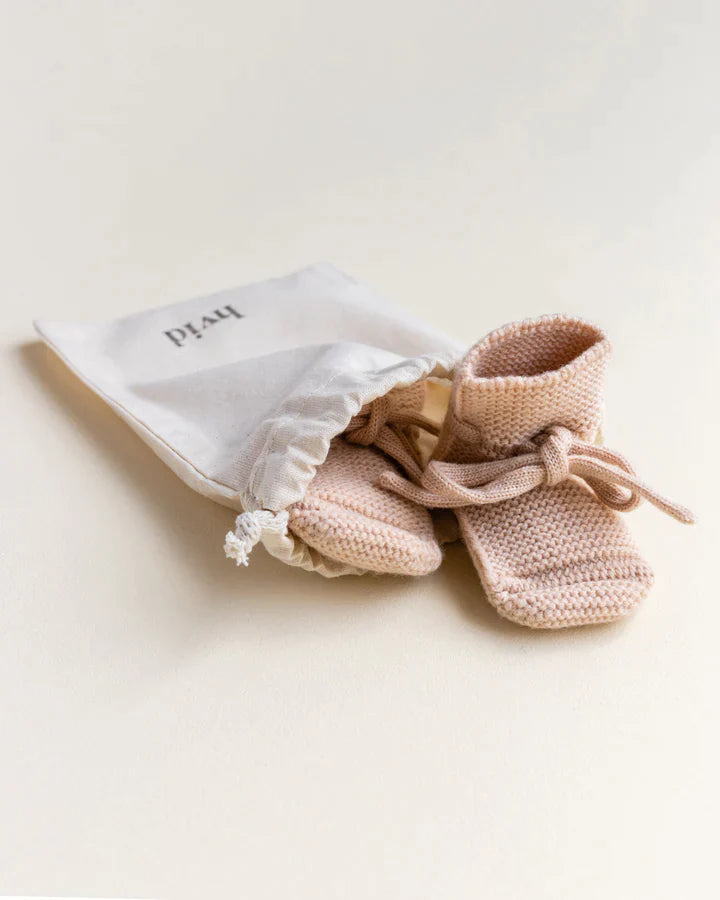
point(526, 402)
point(348, 516)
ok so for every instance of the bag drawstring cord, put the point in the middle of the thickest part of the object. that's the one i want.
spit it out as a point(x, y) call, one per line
point(249, 529)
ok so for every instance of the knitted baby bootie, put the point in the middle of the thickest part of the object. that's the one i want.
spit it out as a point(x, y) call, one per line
point(534, 496)
point(348, 516)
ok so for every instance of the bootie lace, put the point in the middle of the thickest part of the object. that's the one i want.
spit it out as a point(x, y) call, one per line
point(389, 429)
point(551, 457)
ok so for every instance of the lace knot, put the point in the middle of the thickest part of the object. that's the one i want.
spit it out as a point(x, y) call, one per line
point(365, 427)
point(554, 449)
point(393, 430)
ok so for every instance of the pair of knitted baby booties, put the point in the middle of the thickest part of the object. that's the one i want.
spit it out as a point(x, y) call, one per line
point(516, 459)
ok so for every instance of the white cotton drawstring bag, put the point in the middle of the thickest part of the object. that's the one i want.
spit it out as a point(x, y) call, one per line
point(241, 392)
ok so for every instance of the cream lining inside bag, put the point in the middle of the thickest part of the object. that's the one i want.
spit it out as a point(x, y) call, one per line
point(241, 392)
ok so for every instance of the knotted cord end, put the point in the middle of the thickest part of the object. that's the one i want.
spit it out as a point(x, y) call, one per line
point(249, 529)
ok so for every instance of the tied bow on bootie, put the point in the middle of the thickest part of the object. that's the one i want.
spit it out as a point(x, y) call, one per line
point(551, 457)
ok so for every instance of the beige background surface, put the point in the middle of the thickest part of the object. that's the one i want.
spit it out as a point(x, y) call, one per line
point(173, 727)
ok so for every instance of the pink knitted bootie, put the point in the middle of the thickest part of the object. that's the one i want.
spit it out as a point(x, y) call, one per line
point(347, 516)
point(535, 497)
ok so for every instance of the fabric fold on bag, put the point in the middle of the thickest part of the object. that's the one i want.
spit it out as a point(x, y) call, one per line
point(241, 392)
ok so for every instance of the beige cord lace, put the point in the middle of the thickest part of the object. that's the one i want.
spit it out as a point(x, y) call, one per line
point(550, 458)
point(387, 429)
